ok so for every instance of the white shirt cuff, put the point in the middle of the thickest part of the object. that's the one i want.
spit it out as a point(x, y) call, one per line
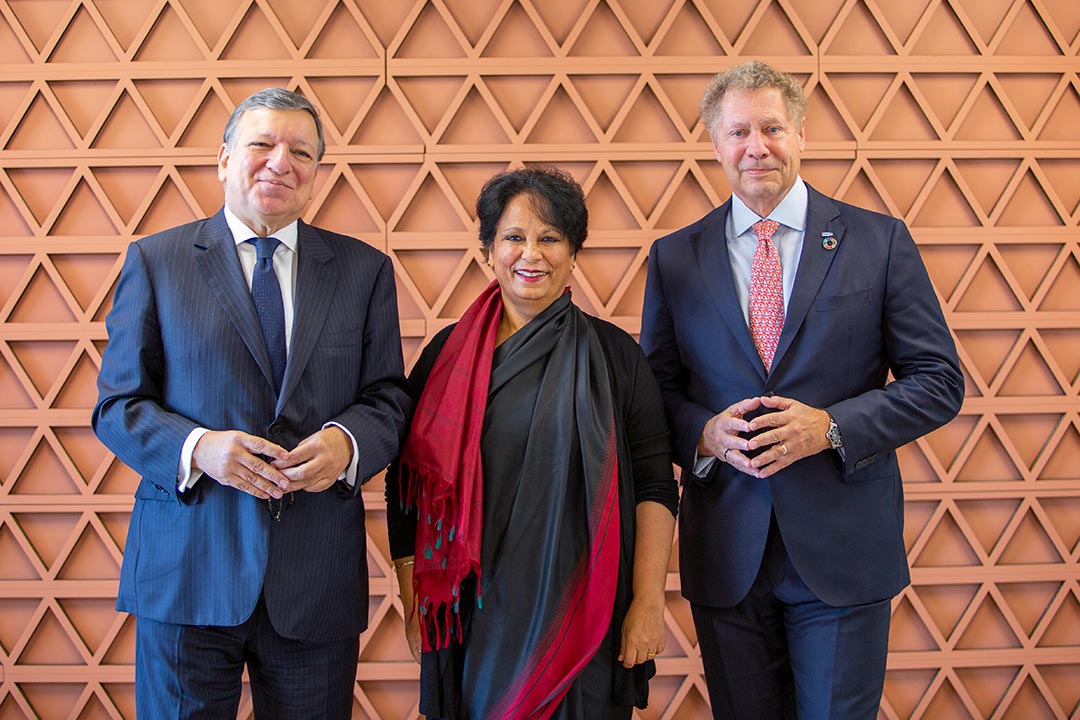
point(349, 476)
point(185, 477)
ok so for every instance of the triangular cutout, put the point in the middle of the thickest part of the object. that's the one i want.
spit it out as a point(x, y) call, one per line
point(861, 93)
point(989, 461)
point(904, 120)
point(1061, 125)
point(774, 35)
point(11, 219)
point(1029, 601)
point(646, 180)
point(473, 17)
point(689, 35)
point(429, 211)
point(382, 643)
point(987, 519)
point(683, 93)
point(124, 21)
point(947, 265)
point(633, 296)
point(17, 613)
point(987, 120)
point(944, 35)
point(988, 291)
point(915, 465)
point(907, 631)
point(1065, 457)
point(903, 17)
point(987, 178)
point(41, 302)
point(126, 187)
point(1062, 295)
point(82, 42)
point(987, 686)
point(430, 97)
point(204, 129)
point(561, 17)
point(468, 178)
point(645, 18)
point(1029, 206)
point(517, 95)
point(1061, 680)
point(82, 100)
point(903, 179)
point(604, 267)
point(203, 185)
point(946, 604)
point(603, 36)
point(119, 479)
point(44, 474)
point(905, 689)
point(38, 26)
point(80, 388)
point(472, 283)
point(122, 652)
point(342, 98)
point(473, 124)
point(386, 125)
point(1030, 376)
point(515, 37)
point(860, 34)
point(13, 395)
point(387, 185)
point(1064, 629)
point(863, 193)
point(947, 441)
point(1028, 93)
point(647, 122)
point(987, 350)
point(607, 209)
point(688, 203)
point(47, 533)
point(83, 214)
point(341, 38)
point(343, 211)
point(1030, 264)
point(1061, 173)
point(988, 630)
point(1029, 433)
point(1028, 702)
point(561, 123)
point(17, 566)
point(50, 645)
point(825, 175)
point(168, 209)
point(255, 39)
point(39, 129)
point(1028, 36)
point(946, 703)
point(825, 124)
point(169, 40)
point(946, 206)
point(944, 93)
point(1030, 545)
point(1064, 514)
point(89, 559)
point(604, 95)
point(82, 448)
point(946, 547)
point(430, 37)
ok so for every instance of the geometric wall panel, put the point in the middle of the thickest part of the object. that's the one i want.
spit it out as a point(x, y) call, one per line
point(960, 116)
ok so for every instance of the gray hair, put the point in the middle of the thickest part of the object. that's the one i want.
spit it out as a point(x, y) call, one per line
point(274, 99)
point(751, 75)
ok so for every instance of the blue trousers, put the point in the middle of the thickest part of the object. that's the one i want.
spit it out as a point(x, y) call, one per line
point(782, 653)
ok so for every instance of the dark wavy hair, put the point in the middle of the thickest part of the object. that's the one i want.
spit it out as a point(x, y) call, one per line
point(556, 198)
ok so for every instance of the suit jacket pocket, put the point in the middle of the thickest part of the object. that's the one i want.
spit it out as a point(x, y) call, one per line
point(830, 303)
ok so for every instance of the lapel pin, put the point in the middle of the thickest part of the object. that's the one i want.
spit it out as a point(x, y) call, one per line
point(828, 241)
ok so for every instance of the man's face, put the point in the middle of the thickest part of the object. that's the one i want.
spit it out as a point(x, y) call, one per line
point(269, 171)
point(759, 146)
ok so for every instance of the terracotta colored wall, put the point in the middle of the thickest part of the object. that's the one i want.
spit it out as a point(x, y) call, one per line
point(961, 116)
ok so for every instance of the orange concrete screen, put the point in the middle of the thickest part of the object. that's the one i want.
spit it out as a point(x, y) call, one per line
point(960, 116)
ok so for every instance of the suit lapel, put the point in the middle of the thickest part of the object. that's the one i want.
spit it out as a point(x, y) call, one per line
point(215, 255)
point(710, 248)
point(316, 285)
point(821, 218)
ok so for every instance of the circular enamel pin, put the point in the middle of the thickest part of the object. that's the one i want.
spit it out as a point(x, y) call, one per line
point(828, 241)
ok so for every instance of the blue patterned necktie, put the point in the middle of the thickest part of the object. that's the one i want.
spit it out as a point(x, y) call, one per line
point(266, 292)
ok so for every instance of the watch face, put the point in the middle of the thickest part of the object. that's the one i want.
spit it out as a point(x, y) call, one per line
point(833, 436)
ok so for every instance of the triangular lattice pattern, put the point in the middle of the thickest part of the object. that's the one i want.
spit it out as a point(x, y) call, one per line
point(960, 116)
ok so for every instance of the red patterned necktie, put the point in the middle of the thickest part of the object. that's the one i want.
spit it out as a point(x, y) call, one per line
point(766, 293)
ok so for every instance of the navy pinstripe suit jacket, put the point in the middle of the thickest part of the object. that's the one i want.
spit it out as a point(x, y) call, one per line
point(185, 350)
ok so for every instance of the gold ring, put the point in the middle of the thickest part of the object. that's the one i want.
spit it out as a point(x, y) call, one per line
point(650, 654)
point(784, 448)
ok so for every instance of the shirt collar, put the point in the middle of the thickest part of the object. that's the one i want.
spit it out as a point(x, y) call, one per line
point(791, 212)
point(287, 235)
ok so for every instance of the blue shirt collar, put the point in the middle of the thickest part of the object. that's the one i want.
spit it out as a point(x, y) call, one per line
point(791, 212)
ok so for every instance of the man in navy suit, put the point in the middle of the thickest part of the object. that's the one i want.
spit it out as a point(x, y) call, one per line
point(253, 424)
point(773, 324)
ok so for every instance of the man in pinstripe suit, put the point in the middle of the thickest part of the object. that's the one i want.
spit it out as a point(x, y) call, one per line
point(246, 545)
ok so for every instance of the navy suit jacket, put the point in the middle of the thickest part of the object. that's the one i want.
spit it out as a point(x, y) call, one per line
point(856, 313)
point(186, 350)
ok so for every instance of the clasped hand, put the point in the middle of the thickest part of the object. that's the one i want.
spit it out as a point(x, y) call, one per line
point(261, 468)
point(790, 433)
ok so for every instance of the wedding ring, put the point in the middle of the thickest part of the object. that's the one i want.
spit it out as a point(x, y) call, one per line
point(784, 448)
point(726, 451)
point(650, 654)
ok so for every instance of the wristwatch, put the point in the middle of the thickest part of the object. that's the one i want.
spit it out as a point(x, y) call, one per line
point(833, 435)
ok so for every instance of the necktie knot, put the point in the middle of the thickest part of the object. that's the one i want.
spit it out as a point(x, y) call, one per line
point(265, 247)
point(765, 229)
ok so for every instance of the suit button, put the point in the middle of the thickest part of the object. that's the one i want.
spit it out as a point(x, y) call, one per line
point(277, 429)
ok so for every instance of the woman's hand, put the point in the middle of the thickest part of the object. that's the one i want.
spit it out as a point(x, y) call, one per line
point(403, 568)
point(643, 633)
